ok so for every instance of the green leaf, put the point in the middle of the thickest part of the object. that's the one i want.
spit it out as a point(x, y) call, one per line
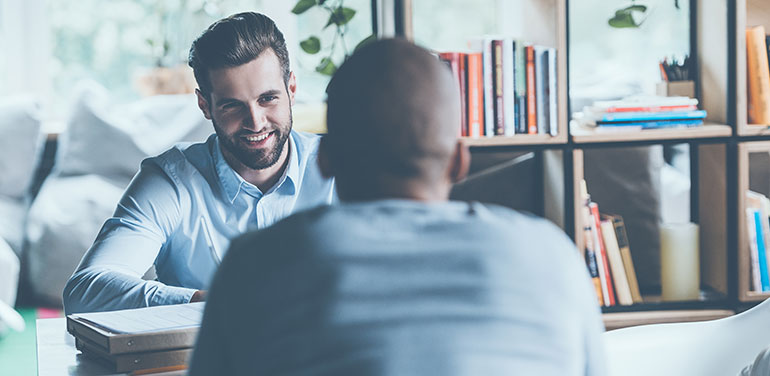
point(624, 18)
point(311, 45)
point(326, 67)
point(340, 16)
point(364, 42)
point(302, 6)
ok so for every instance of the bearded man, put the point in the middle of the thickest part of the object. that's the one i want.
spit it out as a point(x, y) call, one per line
point(183, 207)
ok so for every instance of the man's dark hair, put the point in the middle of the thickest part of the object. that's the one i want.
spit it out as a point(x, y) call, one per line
point(234, 41)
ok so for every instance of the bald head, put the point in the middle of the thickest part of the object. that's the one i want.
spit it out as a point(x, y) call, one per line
point(393, 119)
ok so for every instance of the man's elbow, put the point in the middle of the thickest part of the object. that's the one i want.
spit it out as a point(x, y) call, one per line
point(72, 296)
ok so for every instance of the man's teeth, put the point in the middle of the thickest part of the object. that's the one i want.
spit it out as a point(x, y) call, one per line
point(257, 138)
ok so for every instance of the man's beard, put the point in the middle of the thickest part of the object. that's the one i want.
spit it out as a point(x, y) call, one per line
point(259, 159)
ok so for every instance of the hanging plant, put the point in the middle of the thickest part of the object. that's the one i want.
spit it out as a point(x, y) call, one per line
point(632, 16)
point(339, 17)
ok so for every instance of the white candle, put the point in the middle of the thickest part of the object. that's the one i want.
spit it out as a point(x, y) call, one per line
point(679, 261)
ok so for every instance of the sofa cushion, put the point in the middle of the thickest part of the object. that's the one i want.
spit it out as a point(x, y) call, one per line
point(20, 139)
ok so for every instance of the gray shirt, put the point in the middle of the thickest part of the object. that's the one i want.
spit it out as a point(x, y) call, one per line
point(399, 287)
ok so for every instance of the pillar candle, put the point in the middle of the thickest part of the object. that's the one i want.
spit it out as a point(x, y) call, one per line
point(679, 261)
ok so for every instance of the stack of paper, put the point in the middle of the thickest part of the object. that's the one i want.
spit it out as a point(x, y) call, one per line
point(644, 112)
point(159, 337)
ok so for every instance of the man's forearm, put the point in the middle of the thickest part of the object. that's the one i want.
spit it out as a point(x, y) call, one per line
point(91, 290)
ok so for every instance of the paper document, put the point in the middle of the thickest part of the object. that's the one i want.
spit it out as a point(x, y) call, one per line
point(149, 319)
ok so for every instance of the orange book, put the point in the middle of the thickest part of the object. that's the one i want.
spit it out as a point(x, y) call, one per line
point(758, 76)
point(475, 95)
point(603, 254)
point(531, 99)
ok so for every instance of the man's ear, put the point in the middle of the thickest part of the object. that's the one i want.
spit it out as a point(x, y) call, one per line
point(324, 162)
point(460, 162)
point(291, 87)
point(203, 104)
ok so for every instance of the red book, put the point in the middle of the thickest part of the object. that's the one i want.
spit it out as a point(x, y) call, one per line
point(475, 95)
point(608, 280)
point(497, 58)
point(652, 108)
point(531, 99)
point(455, 61)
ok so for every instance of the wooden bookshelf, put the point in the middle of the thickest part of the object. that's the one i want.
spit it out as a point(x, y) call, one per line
point(720, 147)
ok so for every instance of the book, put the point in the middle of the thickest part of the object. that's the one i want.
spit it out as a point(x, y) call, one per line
point(541, 89)
point(531, 95)
point(651, 108)
point(590, 249)
point(520, 86)
point(758, 76)
point(623, 117)
point(756, 278)
point(632, 102)
point(509, 83)
point(658, 124)
point(552, 94)
point(604, 267)
point(498, 88)
point(761, 251)
point(135, 361)
point(625, 253)
point(475, 95)
point(489, 95)
point(139, 330)
point(616, 263)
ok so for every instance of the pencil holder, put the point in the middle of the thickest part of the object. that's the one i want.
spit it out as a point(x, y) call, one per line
point(676, 89)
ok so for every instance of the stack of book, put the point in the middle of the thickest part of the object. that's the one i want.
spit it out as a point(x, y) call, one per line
point(507, 87)
point(155, 338)
point(608, 255)
point(758, 227)
point(644, 112)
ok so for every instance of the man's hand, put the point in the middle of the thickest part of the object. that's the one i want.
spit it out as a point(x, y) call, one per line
point(199, 296)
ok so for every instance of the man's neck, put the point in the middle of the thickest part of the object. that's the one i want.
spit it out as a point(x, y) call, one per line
point(263, 179)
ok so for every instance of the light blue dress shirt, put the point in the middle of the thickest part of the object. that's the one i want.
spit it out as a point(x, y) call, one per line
point(180, 212)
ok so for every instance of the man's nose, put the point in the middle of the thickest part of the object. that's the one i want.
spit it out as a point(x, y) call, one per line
point(257, 119)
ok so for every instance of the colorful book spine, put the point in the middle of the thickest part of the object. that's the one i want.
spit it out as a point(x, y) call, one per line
point(655, 124)
point(605, 267)
point(520, 74)
point(625, 253)
point(553, 94)
point(651, 109)
point(758, 76)
point(531, 94)
point(475, 95)
point(498, 88)
point(489, 94)
point(541, 89)
point(761, 251)
point(509, 83)
point(756, 278)
point(620, 117)
point(616, 263)
point(453, 61)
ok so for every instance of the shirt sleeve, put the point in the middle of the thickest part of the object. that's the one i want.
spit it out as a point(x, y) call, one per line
point(109, 276)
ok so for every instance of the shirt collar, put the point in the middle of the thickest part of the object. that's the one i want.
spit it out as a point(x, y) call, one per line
point(233, 184)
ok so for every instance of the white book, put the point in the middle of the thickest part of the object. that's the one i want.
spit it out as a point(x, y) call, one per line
point(553, 94)
point(509, 95)
point(622, 289)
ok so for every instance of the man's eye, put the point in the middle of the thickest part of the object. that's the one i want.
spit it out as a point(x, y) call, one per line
point(267, 99)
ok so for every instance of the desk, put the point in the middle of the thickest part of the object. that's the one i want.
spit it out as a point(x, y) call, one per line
point(57, 355)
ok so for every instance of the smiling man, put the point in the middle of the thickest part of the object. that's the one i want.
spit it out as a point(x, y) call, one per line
point(183, 207)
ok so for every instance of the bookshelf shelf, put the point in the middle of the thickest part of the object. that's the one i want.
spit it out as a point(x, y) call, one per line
point(517, 140)
point(586, 136)
point(619, 320)
point(756, 130)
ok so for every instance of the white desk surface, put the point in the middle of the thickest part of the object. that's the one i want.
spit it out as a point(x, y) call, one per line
point(57, 355)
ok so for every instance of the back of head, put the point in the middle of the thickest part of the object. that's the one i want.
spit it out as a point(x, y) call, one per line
point(393, 120)
point(234, 41)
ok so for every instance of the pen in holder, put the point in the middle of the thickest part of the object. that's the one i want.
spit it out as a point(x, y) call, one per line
point(677, 79)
